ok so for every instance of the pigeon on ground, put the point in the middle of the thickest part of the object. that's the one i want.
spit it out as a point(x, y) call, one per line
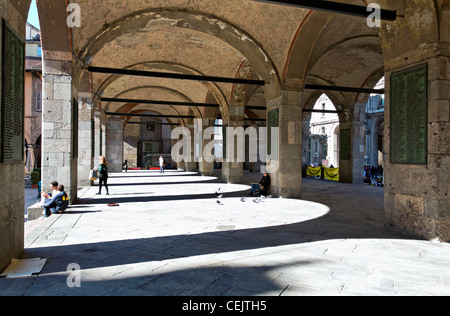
point(258, 200)
point(218, 194)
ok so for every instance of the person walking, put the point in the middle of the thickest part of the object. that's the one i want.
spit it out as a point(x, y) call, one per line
point(103, 175)
point(161, 164)
point(125, 166)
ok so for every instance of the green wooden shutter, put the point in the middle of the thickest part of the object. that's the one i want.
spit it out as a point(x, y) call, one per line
point(12, 103)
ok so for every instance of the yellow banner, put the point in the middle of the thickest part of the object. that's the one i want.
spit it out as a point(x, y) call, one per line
point(331, 173)
point(313, 172)
point(328, 173)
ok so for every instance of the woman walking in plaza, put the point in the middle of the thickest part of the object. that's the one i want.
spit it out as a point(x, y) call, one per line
point(161, 164)
point(103, 175)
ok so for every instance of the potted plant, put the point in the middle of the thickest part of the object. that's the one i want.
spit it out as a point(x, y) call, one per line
point(35, 178)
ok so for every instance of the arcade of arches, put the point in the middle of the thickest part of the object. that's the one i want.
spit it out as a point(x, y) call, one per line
point(287, 47)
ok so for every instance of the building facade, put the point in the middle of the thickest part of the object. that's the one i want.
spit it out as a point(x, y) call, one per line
point(324, 138)
point(33, 99)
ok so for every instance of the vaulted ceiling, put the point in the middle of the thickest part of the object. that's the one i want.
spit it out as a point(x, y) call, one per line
point(285, 46)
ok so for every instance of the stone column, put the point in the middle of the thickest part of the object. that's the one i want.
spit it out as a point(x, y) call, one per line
point(358, 140)
point(11, 173)
point(374, 142)
point(352, 149)
point(345, 158)
point(191, 164)
point(368, 134)
point(114, 144)
point(103, 130)
point(60, 123)
point(98, 139)
point(181, 166)
point(85, 138)
point(305, 141)
point(286, 178)
point(180, 139)
point(417, 196)
point(232, 166)
point(207, 168)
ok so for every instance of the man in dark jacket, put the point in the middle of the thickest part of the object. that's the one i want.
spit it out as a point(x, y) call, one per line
point(56, 204)
point(263, 185)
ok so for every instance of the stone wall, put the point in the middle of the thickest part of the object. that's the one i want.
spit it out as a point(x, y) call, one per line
point(85, 138)
point(416, 196)
point(59, 156)
point(12, 174)
point(114, 145)
point(286, 170)
point(11, 212)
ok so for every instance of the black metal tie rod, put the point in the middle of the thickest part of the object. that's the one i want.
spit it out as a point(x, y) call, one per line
point(154, 74)
point(150, 115)
point(343, 89)
point(154, 123)
point(321, 111)
point(116, 100)
point(335, 7)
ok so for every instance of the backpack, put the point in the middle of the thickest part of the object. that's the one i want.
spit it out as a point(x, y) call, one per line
point(64, 202)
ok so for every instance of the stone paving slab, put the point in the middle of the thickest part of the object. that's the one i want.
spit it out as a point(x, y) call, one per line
point(169, 236)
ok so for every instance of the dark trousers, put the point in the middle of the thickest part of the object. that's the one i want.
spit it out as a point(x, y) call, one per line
point(103, 180)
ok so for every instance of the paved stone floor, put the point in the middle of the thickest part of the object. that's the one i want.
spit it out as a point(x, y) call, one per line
point(170, 236)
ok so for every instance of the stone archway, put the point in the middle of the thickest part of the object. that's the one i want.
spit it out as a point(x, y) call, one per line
point(156, 19)
point(107, 86)
point(192, 24)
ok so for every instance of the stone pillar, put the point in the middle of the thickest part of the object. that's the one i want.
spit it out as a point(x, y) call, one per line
point(372, 140)
point(286, 178)
point(60, 123)
point(305, 141)
point(352, 145)
point(114, 145)
point(368, 134)
point(85, 138)
point(345, 158)
point(181, 166)
point(232, 166)
point(103, 130)
point(373, 161)
point(207, 168)
point(417, 196)
point(98, 139)
point(358, 140)
point(191, 164)
point(11, 173)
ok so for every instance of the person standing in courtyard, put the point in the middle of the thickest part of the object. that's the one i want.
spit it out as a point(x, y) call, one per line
point(103, 175)
point(125, 166)
point(161, 164)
